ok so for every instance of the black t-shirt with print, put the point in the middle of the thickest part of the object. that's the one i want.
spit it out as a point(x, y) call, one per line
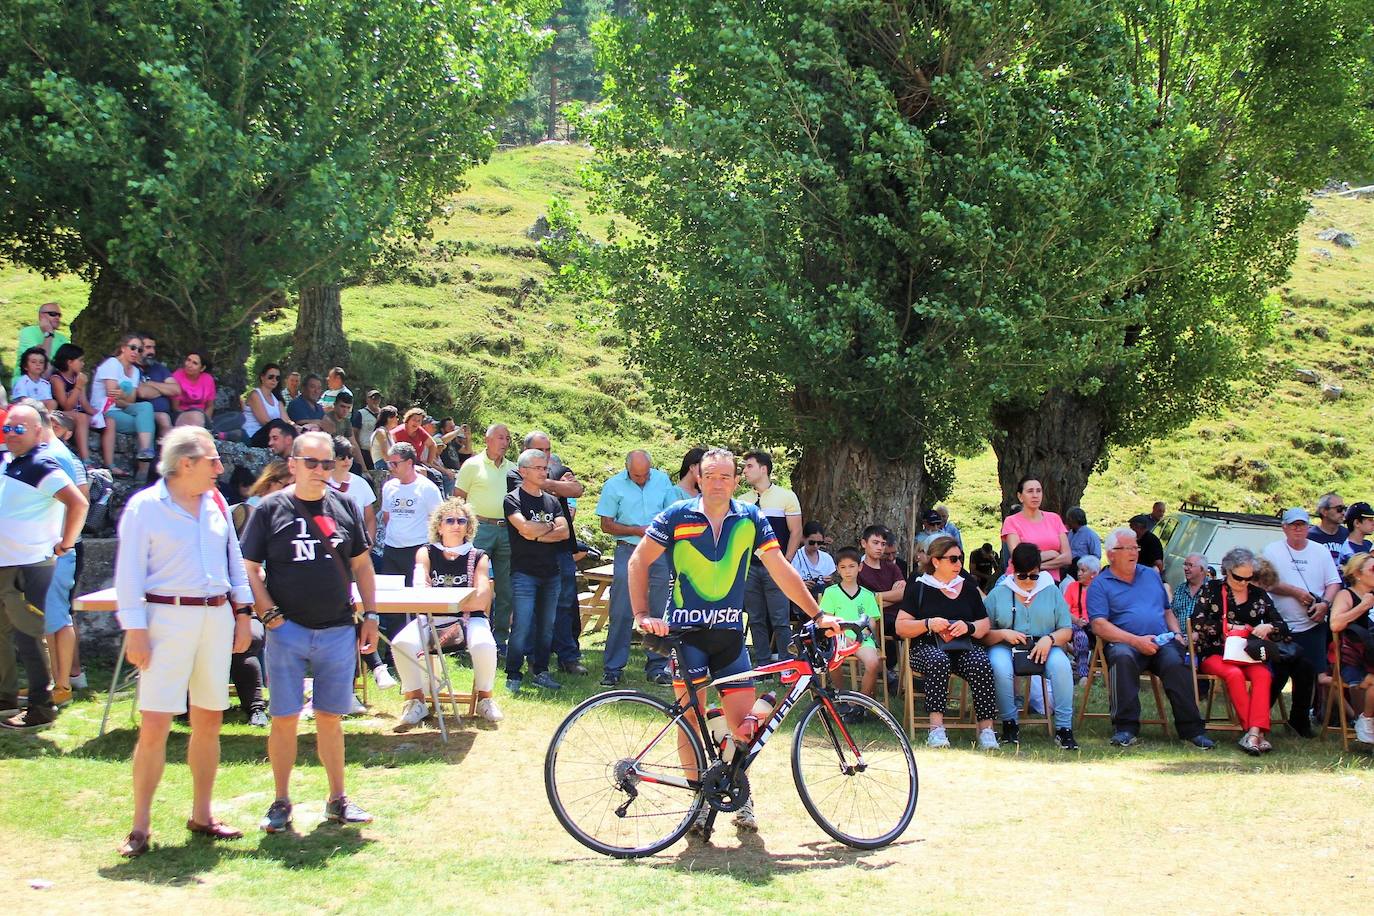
point(556, 471)
point(303, 577)
point(535, 558)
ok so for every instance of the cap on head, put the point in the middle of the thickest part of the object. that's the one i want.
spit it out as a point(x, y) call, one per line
point(932, 517)
point(1358, 511)
point(1295, 514)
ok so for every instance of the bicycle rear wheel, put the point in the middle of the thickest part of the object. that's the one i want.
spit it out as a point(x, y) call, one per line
point(864, 799)
point(602, 773)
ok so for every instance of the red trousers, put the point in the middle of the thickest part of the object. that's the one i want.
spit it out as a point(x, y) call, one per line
point(1252, 707)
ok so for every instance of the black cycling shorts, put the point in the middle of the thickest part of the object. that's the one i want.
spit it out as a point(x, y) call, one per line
point(712, 654)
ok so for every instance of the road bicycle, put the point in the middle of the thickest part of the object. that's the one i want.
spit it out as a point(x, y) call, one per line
point(616, 779)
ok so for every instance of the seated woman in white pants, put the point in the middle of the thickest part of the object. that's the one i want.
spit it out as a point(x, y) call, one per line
point(449, 561)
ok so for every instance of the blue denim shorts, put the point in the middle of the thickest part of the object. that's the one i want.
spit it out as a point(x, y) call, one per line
point(57, 608)
point(330, 655)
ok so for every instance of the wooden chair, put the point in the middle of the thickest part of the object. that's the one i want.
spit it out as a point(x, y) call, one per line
point(1215, 686)
point(1336, 695)
point(853, 665)
point(1097, 665)
point(1046, 718)
point(962, 717)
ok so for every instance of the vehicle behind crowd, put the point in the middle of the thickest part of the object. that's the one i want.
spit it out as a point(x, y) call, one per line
point(1212, 533)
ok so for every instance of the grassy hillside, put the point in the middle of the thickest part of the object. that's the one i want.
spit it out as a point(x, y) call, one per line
point(471, 319)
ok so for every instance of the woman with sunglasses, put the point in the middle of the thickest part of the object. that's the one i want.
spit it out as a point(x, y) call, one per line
point(1235, 605)
point(812, 563)
point(449, 560)
point(1027, 611)
point(262, 406)
point(942, 613)
point(114, 392)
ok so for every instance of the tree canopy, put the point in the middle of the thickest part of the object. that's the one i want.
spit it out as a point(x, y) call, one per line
point(208, 155)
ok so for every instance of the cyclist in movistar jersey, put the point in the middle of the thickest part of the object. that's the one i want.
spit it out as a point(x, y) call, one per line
point(709, 540)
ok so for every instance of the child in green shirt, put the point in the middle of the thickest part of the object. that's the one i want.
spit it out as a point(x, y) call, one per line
point(849, 600)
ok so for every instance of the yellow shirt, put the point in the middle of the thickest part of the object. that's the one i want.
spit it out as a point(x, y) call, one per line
point(776, 504)
point(484, 482)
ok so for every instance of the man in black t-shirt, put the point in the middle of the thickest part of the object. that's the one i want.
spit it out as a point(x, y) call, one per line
point(303, 547)
point(537, 528)
point(562, 483)
point(1151, 550)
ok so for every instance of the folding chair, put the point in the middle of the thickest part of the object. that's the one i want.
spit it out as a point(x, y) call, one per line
point(1336, 694)
point(1046, 718)
point(1097, 665)
point(962, 717)
point(1216, 686)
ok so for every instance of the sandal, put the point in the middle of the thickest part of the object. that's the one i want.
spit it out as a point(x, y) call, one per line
point(134, 845)
point(1250, 745)
point(1264, 746)
point(215, 830)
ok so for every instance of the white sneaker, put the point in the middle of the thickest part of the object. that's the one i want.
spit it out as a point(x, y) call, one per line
point(487, 709)
point(744, 818)
point(987, 741)
point(383, 677)
point(937, 738)
point(414, 712)
point(1364, 730)
point(259, 719)
point(358, 707)
point(79, 681)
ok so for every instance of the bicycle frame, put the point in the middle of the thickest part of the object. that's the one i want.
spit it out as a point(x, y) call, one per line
point(799, 672)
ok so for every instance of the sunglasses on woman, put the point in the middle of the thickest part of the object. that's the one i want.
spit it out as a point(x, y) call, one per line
point(1027, 577)
point(1239, 578)
point(952, 557)
point(815, 543)
point(456, 520)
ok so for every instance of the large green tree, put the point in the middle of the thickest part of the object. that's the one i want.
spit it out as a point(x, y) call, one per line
point(1261, 101)
point(855, 220)
point(200, 159)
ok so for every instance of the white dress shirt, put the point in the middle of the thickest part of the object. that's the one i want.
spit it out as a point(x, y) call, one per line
point(164, 550)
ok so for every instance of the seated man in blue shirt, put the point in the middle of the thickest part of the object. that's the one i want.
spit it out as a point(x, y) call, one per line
point(306, 410)
point(1129, 610)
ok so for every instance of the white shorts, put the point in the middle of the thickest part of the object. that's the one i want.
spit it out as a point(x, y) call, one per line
point(191, 647)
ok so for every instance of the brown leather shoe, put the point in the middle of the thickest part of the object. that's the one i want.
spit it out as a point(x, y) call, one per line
point(215, 830)
point(134, 845)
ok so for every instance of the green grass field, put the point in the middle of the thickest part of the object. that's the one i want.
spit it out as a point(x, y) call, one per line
point(466, 828)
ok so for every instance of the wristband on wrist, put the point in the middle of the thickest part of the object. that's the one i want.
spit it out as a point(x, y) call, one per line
point(271, 614)
point(243, 610)
point(371, 615)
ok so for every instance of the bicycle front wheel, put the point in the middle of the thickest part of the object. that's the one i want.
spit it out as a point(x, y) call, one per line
point(615, 776)
point(858, 782)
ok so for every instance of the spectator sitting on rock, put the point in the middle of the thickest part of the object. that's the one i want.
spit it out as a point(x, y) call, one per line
point(114, 392)
point(44, 335)
point(306, 410)
point(379, 443)
point(262, 406)
point(158, 386)
point(33, 379)
point(69, 382)
point(196, 384)
point(281, 436)
point(334, 387)
point(291, 389)
point(339, 417)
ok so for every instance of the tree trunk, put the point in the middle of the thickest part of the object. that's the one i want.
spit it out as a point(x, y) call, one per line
point(846, 487)
point(319, 343)
point(114, 308)
point(1058, 442)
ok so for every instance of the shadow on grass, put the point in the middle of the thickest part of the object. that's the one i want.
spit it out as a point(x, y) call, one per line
point(176, 866)
point(22, 746)
point(751, 862)
point(365, 749)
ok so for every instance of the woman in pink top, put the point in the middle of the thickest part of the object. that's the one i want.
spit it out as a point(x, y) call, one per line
point(197, 386)
point(1045, 530)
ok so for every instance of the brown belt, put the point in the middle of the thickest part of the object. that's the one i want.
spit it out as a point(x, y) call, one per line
point(491, 521)
point(212, 601)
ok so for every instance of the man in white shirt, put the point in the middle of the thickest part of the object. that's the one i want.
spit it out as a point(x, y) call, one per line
point(408, 500)
point(1308, 581)
point(184, 604)
point(41, 514)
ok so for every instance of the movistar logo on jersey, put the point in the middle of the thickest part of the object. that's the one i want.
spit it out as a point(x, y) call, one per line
point(706, 617)
point(712, 580)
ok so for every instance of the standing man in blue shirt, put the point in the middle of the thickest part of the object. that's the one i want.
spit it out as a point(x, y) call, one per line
point(1129, 609)
point(629, 501)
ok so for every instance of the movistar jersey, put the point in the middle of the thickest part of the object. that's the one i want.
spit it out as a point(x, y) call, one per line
point(709, 573)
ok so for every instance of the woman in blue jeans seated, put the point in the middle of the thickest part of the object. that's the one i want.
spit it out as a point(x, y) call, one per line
point(1027, 612)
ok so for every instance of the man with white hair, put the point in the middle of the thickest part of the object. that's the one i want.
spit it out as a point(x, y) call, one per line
point(185, 606)
point(482, 482)
point(629, 501)
point(1194, 577)
point(42, 513)
point(1129, 608)
point(538, 530)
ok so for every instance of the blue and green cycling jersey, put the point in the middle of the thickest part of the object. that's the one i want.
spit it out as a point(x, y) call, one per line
point(709, 572)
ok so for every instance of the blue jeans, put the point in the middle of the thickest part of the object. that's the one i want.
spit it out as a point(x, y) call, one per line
point(136, 418)
point(1058, 669)
point(567, 623)
point(534, 602)
point(622, 616)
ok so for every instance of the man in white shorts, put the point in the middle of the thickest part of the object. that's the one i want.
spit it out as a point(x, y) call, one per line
point(184, 602)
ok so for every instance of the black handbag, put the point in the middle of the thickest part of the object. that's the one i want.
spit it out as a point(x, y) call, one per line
point(958, 643)
point(1021, 663)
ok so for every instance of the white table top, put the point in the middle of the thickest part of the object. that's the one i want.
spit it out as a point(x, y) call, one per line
point(390, 600)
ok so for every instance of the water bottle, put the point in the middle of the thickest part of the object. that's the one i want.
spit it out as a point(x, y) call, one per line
point(720, 733)
point(763, 708)
point(1163, 639)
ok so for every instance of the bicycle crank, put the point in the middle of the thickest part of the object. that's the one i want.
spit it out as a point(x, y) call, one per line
point(725, 791)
